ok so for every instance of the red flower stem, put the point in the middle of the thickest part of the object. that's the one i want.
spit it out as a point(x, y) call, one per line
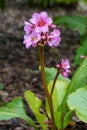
point(54, 82)
point(49, 98)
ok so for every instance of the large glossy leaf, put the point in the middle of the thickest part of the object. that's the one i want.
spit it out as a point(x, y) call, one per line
point(77, 101)
point(35, 104)
point(15, 109)
point(78, 23)
point(79, 80)
point(51, 73)
point(57, 96)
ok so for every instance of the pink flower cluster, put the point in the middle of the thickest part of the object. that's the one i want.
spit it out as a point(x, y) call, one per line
point(40, 29)
point(64, 67)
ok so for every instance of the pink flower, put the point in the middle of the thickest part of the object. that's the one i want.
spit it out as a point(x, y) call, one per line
point(41, 22)
point(40, 29)
point(82, 56)
point(32, 39)
point(65, 74)
point(65, 64)
point(64, 67)
point(28, 28)
point(54, 38)
point(53, 26)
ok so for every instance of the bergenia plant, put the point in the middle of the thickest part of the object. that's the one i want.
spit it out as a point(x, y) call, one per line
point(64, 96)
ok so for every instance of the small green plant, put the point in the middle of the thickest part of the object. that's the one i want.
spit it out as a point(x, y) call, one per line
point(46, 3)
point(2, 4)
point(79, 24)
point(63, 95)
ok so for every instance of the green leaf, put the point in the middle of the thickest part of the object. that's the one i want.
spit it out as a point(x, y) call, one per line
point(82, 50)
point(66, 1)
point(2, 104)
point(77, 101)
point(1, 86)
point(47, 108)
point(2, 4)
point(57, 96)
point(51, 73)
point(78, 23)
point(15, 109)
point(45, 3)
point(35, 104)
point(79, 80)
point(83, 39)
point(51, 2)
point(67, 118)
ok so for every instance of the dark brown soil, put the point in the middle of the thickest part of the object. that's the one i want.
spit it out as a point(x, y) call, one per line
point(19, 66)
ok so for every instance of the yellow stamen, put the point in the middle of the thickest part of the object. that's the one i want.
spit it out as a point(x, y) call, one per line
point(34, 38)
point(41, 23)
